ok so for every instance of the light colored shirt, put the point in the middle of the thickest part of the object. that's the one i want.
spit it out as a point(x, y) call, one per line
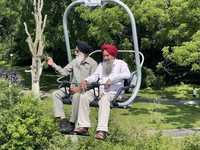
point(15, 77)
point(120, 71)
point(194, 92)
point(79, 73)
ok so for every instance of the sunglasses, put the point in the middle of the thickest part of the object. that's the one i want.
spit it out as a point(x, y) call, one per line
point(76, 50)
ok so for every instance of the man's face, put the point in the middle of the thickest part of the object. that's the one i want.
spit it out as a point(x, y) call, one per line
point(107, 56)
point(80, 57)
point(108, 63)
point(77, 51)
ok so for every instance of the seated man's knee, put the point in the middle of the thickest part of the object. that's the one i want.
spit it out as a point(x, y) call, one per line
point(54, 93)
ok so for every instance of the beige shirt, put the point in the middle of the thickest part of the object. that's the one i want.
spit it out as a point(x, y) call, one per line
point(85, 70)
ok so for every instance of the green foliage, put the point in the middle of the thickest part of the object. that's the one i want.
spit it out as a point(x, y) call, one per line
point(191, 142)
point(159, 82)
point(170, 28)
point(130, 137)
point(186, 54)
point(23, 123)
point(148, 77)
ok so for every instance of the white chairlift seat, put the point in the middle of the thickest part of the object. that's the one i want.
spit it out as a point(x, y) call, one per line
point(133, 84)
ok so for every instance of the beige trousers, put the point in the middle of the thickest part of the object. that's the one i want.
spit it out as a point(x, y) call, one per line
point(104, 109)
point(57, 97)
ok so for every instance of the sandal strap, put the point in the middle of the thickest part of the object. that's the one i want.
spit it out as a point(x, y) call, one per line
point(81, 130)
point(101, 135)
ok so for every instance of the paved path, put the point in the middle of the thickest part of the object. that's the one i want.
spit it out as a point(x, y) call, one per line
point(176, 133)
point(166, 101)
point(4, 72)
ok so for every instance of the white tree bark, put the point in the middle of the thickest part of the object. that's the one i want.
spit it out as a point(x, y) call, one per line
point(36, 47)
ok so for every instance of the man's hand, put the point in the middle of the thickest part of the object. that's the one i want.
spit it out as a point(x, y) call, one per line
point(50, 61)
point(107, 86)
point(83, 85)
point(73, 90)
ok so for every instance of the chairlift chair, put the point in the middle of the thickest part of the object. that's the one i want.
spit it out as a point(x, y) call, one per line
point(130, 86)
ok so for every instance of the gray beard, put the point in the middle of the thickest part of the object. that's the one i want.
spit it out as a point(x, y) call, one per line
point(108, 66)
point(79, 58)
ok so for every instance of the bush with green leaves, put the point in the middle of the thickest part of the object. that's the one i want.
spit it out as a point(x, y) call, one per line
point(25, 123)
point(23, 120)
point(159, 82)
point(191, 142)
point(148, 77)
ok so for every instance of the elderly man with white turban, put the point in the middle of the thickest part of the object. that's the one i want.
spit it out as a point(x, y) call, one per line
point(81, 67)
point(110, 70)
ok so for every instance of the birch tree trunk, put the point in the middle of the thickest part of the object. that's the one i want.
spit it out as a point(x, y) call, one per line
point(36, 47)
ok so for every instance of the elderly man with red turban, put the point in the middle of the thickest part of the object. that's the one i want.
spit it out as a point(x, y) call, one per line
point(110, 70)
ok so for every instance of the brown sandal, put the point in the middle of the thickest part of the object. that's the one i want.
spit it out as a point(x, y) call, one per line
point(101, 135)
point(81, 130)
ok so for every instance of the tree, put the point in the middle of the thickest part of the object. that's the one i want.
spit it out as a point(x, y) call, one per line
point(36, 47)
point(8, 22)
point(185, 49)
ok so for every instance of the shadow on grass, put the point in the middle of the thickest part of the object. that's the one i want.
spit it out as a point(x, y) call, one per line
point(139, 111)
point(181, 116)
point(166, 95)
point(48, 79)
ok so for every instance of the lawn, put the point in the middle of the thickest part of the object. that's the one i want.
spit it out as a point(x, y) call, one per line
point(161, 116)
point(180, 92)
point(155, 116)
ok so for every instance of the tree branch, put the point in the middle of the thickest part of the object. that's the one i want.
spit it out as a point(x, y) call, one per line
point(41, 6)
point(34, 5)
point(26, 29)
point(29, 40)
point(44, 23)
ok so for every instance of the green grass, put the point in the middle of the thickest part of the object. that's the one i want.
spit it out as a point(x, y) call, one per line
point(180, 92)
point(168, 116)
point(161, 116)
point(164, 95)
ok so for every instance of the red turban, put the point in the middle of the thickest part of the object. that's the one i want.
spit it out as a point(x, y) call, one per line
point(112, 50)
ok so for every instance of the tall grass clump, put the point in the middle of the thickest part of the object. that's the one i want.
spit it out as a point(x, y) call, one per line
point(23, 121)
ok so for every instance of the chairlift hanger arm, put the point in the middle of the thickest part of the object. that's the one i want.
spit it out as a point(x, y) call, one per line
point(134, 33)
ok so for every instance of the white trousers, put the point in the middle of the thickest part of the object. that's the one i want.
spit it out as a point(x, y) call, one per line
point(104, 109)
point(57, 97)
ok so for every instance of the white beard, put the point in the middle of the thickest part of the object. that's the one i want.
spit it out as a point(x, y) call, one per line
point(108, 66)
point(79, 58)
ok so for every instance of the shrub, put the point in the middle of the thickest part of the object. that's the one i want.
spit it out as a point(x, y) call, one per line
point(23, 124)
point(159, 82)
point(148, 77)
point(191, 142)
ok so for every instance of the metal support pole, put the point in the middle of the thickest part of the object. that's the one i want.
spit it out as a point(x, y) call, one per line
point(11, 51)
